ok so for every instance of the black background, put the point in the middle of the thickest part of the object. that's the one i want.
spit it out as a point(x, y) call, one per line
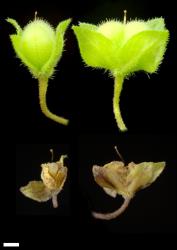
point(84, 95)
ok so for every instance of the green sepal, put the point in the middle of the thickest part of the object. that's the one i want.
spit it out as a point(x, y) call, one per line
point(156, 24)
point(144, 51)
point(96, 50)
point(48, 68)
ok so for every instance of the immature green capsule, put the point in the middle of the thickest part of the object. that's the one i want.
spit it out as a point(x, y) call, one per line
point(123, 48)
point(37, 43)
point(40, 47)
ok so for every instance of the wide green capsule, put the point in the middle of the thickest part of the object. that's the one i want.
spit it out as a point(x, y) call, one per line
point(123, 48)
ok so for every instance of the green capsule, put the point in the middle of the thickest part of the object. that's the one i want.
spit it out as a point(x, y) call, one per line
point(40, 47)
point(122, 49)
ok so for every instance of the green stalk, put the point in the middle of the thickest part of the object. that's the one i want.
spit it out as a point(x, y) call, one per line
point(43, 84)
point(116, 99)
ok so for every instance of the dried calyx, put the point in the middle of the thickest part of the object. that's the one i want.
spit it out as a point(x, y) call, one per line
point(53, 177)
point(117, 179)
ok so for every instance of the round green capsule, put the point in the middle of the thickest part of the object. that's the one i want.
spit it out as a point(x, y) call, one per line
point(40, 47)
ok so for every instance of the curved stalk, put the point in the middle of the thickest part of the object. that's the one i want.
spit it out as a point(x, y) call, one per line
point(54, 201)
point(43, 84)
point(116, 99)
point(113, 215)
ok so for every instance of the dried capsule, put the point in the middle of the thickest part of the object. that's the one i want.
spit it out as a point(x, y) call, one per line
point(53, 177)
point(117, 179)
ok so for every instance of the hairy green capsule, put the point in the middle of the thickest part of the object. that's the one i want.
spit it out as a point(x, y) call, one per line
point(37, 43)
point(122, 48)
point(40, 47)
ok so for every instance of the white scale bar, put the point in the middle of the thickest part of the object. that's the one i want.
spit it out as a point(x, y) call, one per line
point(7, 244)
